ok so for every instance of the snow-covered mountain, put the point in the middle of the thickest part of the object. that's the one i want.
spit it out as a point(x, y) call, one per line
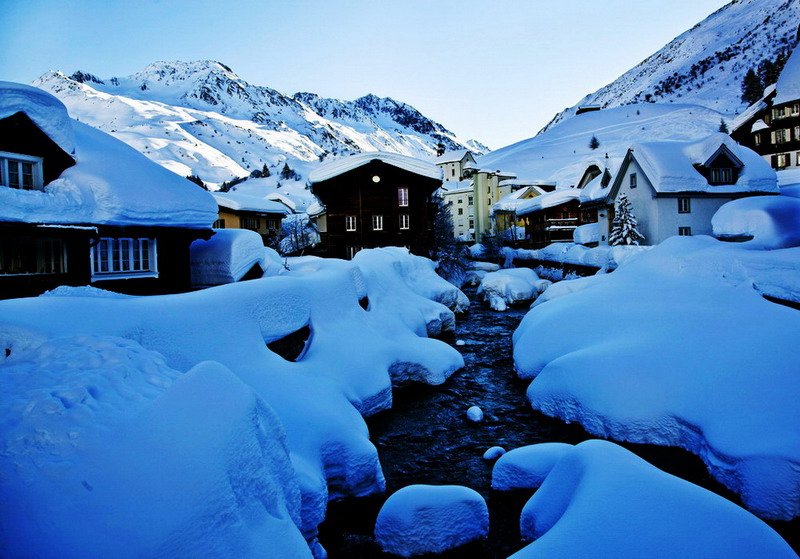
point(200, 118)
point(706, 64)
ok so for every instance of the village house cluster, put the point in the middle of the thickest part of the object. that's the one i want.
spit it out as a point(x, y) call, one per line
point(78, 207)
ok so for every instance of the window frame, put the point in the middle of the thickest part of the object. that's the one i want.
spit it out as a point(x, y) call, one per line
point(633, 181)
point(36, 171)
point(350, 223)
point(116, 244)
point(402, 196)
point(405, 222)
point(684, 231)
point(720, 175)
point(377, 222)
point(42, 249)
point(684, 205)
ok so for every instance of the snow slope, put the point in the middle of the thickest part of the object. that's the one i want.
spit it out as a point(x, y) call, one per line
point(706, 64)
point(680, 348)
point(201, 118)
point(562, 153)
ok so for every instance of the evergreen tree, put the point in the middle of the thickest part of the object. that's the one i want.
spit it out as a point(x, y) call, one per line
point(723, 126)
point(287, 173)
point(752, 87)
point(624, 231)
point(446, 250)
point(198, 181)
point(768, 72)
point(594, 143)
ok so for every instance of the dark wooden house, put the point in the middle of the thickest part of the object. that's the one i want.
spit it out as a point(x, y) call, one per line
point(78, 207)
point(771, 126)
point(551, 217)
point(375, 199)
point(241, 211)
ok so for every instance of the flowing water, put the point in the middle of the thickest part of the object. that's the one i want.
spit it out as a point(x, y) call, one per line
point(426, 438)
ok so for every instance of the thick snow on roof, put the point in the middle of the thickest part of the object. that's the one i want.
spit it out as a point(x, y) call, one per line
point(111, 183)
point(226, 257)
point(670, 166)
point(244, 202)
point(456, 187)
point(753, 109)
point(340, 166)
point(601, 501)
point(47, 112)
point(637, 384)
point(788, 85)
point(772, 221)
point(548, 200)
point(451, 156)
point(510, 202)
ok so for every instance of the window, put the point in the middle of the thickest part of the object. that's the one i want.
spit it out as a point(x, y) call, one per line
point(796, 109)
point(219, 224)
point(252, 223)
point(722, 176)
point(757, 139)
point(781, 160)
point(273, 224)
point(460, 200)
point(685, 231)
point(21, 171)
point(351, 252)
point(632, 180)
point(460, 211)
point(402, 197)
point(350, 223)
point(453, 172)
point(471, 223)
point(781, 136)
point(405, 221)
point(469, 200)
point(32, 256)
point(797, 132)
point(377, 223)
point(684, 205)
point(121, 258)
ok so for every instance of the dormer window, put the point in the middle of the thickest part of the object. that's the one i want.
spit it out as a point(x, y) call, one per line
point(721, 175)
point(23, 172)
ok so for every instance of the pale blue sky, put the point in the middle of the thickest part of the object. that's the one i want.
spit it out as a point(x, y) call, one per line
point(495, 71)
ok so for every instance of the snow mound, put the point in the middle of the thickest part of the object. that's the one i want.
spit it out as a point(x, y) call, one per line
point(475, 414)
point(628, 379)
point(46, 111)
point(769, 222)
point(586, 234)
point(493, 453)
point(602, 501)
point(484, 266)
point(527, 467)
point(421, 519)
point(508, 287)
point(103, 439)
point(226, 257)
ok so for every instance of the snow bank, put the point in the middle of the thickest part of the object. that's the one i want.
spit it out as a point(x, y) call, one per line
point(601, 501)
point(603, 257)
point(338, 167)
point(509, 287)
point(627, 378)
point(527, 467)
point(102, 439)
point(769, 222)
point(421, 519)
point(400, 281)
point(586, 234)
point(226, 257)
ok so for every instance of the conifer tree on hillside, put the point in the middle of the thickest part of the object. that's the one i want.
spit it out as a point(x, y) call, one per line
point(594, 143)
point(752, 88)
point(723, 126)
point(624, 231)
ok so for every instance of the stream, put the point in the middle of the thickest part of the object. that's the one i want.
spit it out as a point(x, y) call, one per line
point(426, 438)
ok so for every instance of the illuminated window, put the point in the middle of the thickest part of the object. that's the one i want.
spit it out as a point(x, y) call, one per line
point(402, 196)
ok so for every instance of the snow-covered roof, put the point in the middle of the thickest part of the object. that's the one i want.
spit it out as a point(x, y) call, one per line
point(548, 200)
point(594, 190)
point(244, 202)
point(759, 125)
point(315, 209)
point(753, 109)
point(456, 187)
point(340, 166)
point(451, 156)
point(788, 85)
point(47, 112)
point(510, 202)
point(670, 166)
point(112, 184)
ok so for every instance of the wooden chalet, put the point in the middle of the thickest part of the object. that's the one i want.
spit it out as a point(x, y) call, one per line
point(241, 211)
point(771, 126)
point(375, 199)
point(78, 207)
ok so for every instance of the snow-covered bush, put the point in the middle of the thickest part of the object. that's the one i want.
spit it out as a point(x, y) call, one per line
point(511, 286)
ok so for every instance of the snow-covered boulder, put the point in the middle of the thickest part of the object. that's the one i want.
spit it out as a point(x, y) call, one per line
point(475, 414)
point(527, 467)
point(494, 452)
point(661, 367)
point(227, 257)
point(586, 234)
point(601, 501)
point(765, 222)
point(484, 266)
point(474, 277)
point(508, 287)
point(421, 519)
point(108, 452)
